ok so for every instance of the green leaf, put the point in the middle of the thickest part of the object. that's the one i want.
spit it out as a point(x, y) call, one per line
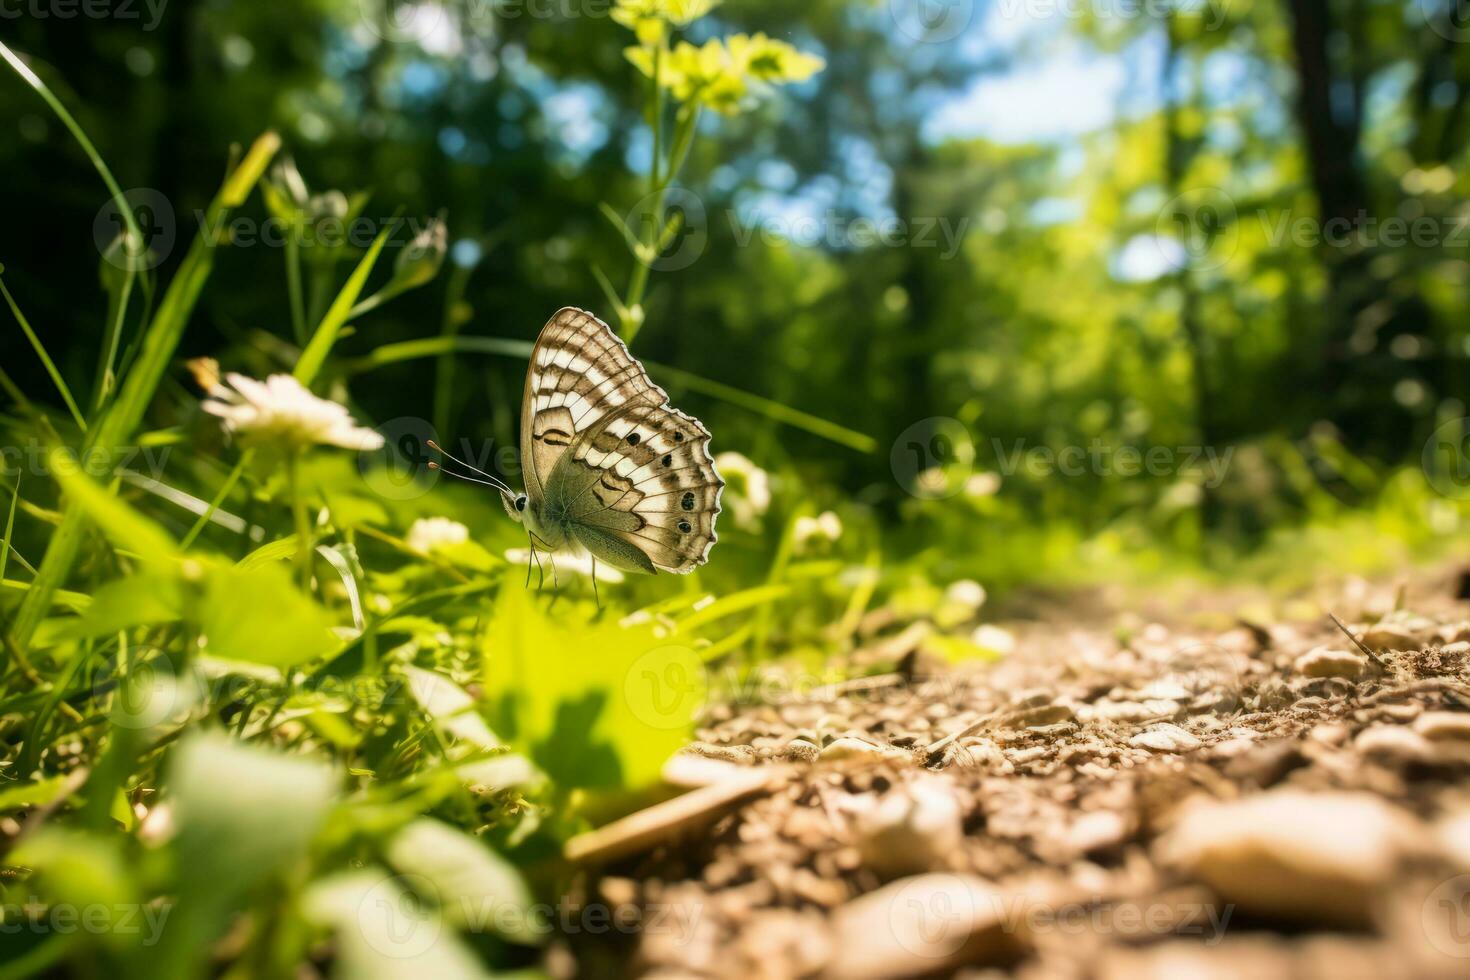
point(146, 599)
point(120, 522)
point(337, 314)
point(619, 702)
point(384, 932)
point(476, 888)
point(37, 793)
point(85, 872)
point(256, 615)
point(243, 814)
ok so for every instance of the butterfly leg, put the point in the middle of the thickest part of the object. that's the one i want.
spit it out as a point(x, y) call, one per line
point(595, 597)
point(534, 560)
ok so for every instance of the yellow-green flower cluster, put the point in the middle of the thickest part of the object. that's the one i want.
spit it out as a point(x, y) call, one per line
point(651, 19)
point(722, 74)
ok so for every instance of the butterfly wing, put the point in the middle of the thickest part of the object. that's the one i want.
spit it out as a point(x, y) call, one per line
point(633, 475)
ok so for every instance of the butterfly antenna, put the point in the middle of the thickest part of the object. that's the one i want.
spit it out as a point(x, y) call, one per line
point(490, 479)
point(470, 479)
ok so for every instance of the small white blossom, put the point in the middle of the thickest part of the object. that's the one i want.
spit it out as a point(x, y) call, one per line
point(431, 533)
point(280, 409)
point(966, 593)
point(749, 486)
point(576, 564)
point(809, 530)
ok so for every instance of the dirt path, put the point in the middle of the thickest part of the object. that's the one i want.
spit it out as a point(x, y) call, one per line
point(1264, 801)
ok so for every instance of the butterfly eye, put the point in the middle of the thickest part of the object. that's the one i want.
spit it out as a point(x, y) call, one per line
point(521, 502)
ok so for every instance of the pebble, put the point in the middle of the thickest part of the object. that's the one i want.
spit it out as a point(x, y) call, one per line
point(802, 750)
point(1315, 858)
point(920, 925)
point(1443, 726)
point(1331, 662)
point(1165, 738)
point(1393, 742)
point(913, 828)
point(848, 749)
point(1386, 636)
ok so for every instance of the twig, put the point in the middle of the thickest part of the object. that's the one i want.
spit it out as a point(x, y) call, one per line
point(1358, 643)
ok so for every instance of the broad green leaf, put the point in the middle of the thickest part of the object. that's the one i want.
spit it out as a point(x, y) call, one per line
point(146, 599)
point(384, 932)
point(596, 706)
point(82, 871)
point(243, 814)
point(38, 793)
point(476, 888)
point(257, 615)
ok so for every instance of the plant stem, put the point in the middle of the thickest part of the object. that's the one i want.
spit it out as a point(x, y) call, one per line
point(219, 498)
point(293, 287)
point(298, 512)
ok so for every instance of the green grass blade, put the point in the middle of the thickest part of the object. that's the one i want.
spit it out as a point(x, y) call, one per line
point(126, 527)
point(159, 342)
point(40, 349)
point(9, 527)
point(436, 346)
point(34, 81)
point(338, 313)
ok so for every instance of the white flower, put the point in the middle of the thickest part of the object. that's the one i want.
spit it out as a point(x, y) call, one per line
point(809, 530)
point(750, 489)
point(280, 409)
point(576, 564)
point(429, 534)
point(966, 593)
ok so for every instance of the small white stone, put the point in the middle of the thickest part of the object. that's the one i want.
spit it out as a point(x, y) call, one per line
point(913, 828)
point(1165, 738)
point(1393, 742)
point(848, 748)
point(1330, 662)
point(1443, 726)
point(923, 924)
point(1289, 854)
point(1386, 636)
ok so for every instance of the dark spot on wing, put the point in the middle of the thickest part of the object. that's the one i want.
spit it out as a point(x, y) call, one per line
point(678, 437)
point(685, 526)
point(669, 460)
point(556, 437)
point(688, 502)
point(634, 438)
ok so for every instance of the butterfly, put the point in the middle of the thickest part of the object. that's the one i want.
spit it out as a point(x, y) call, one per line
point(611, 469)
